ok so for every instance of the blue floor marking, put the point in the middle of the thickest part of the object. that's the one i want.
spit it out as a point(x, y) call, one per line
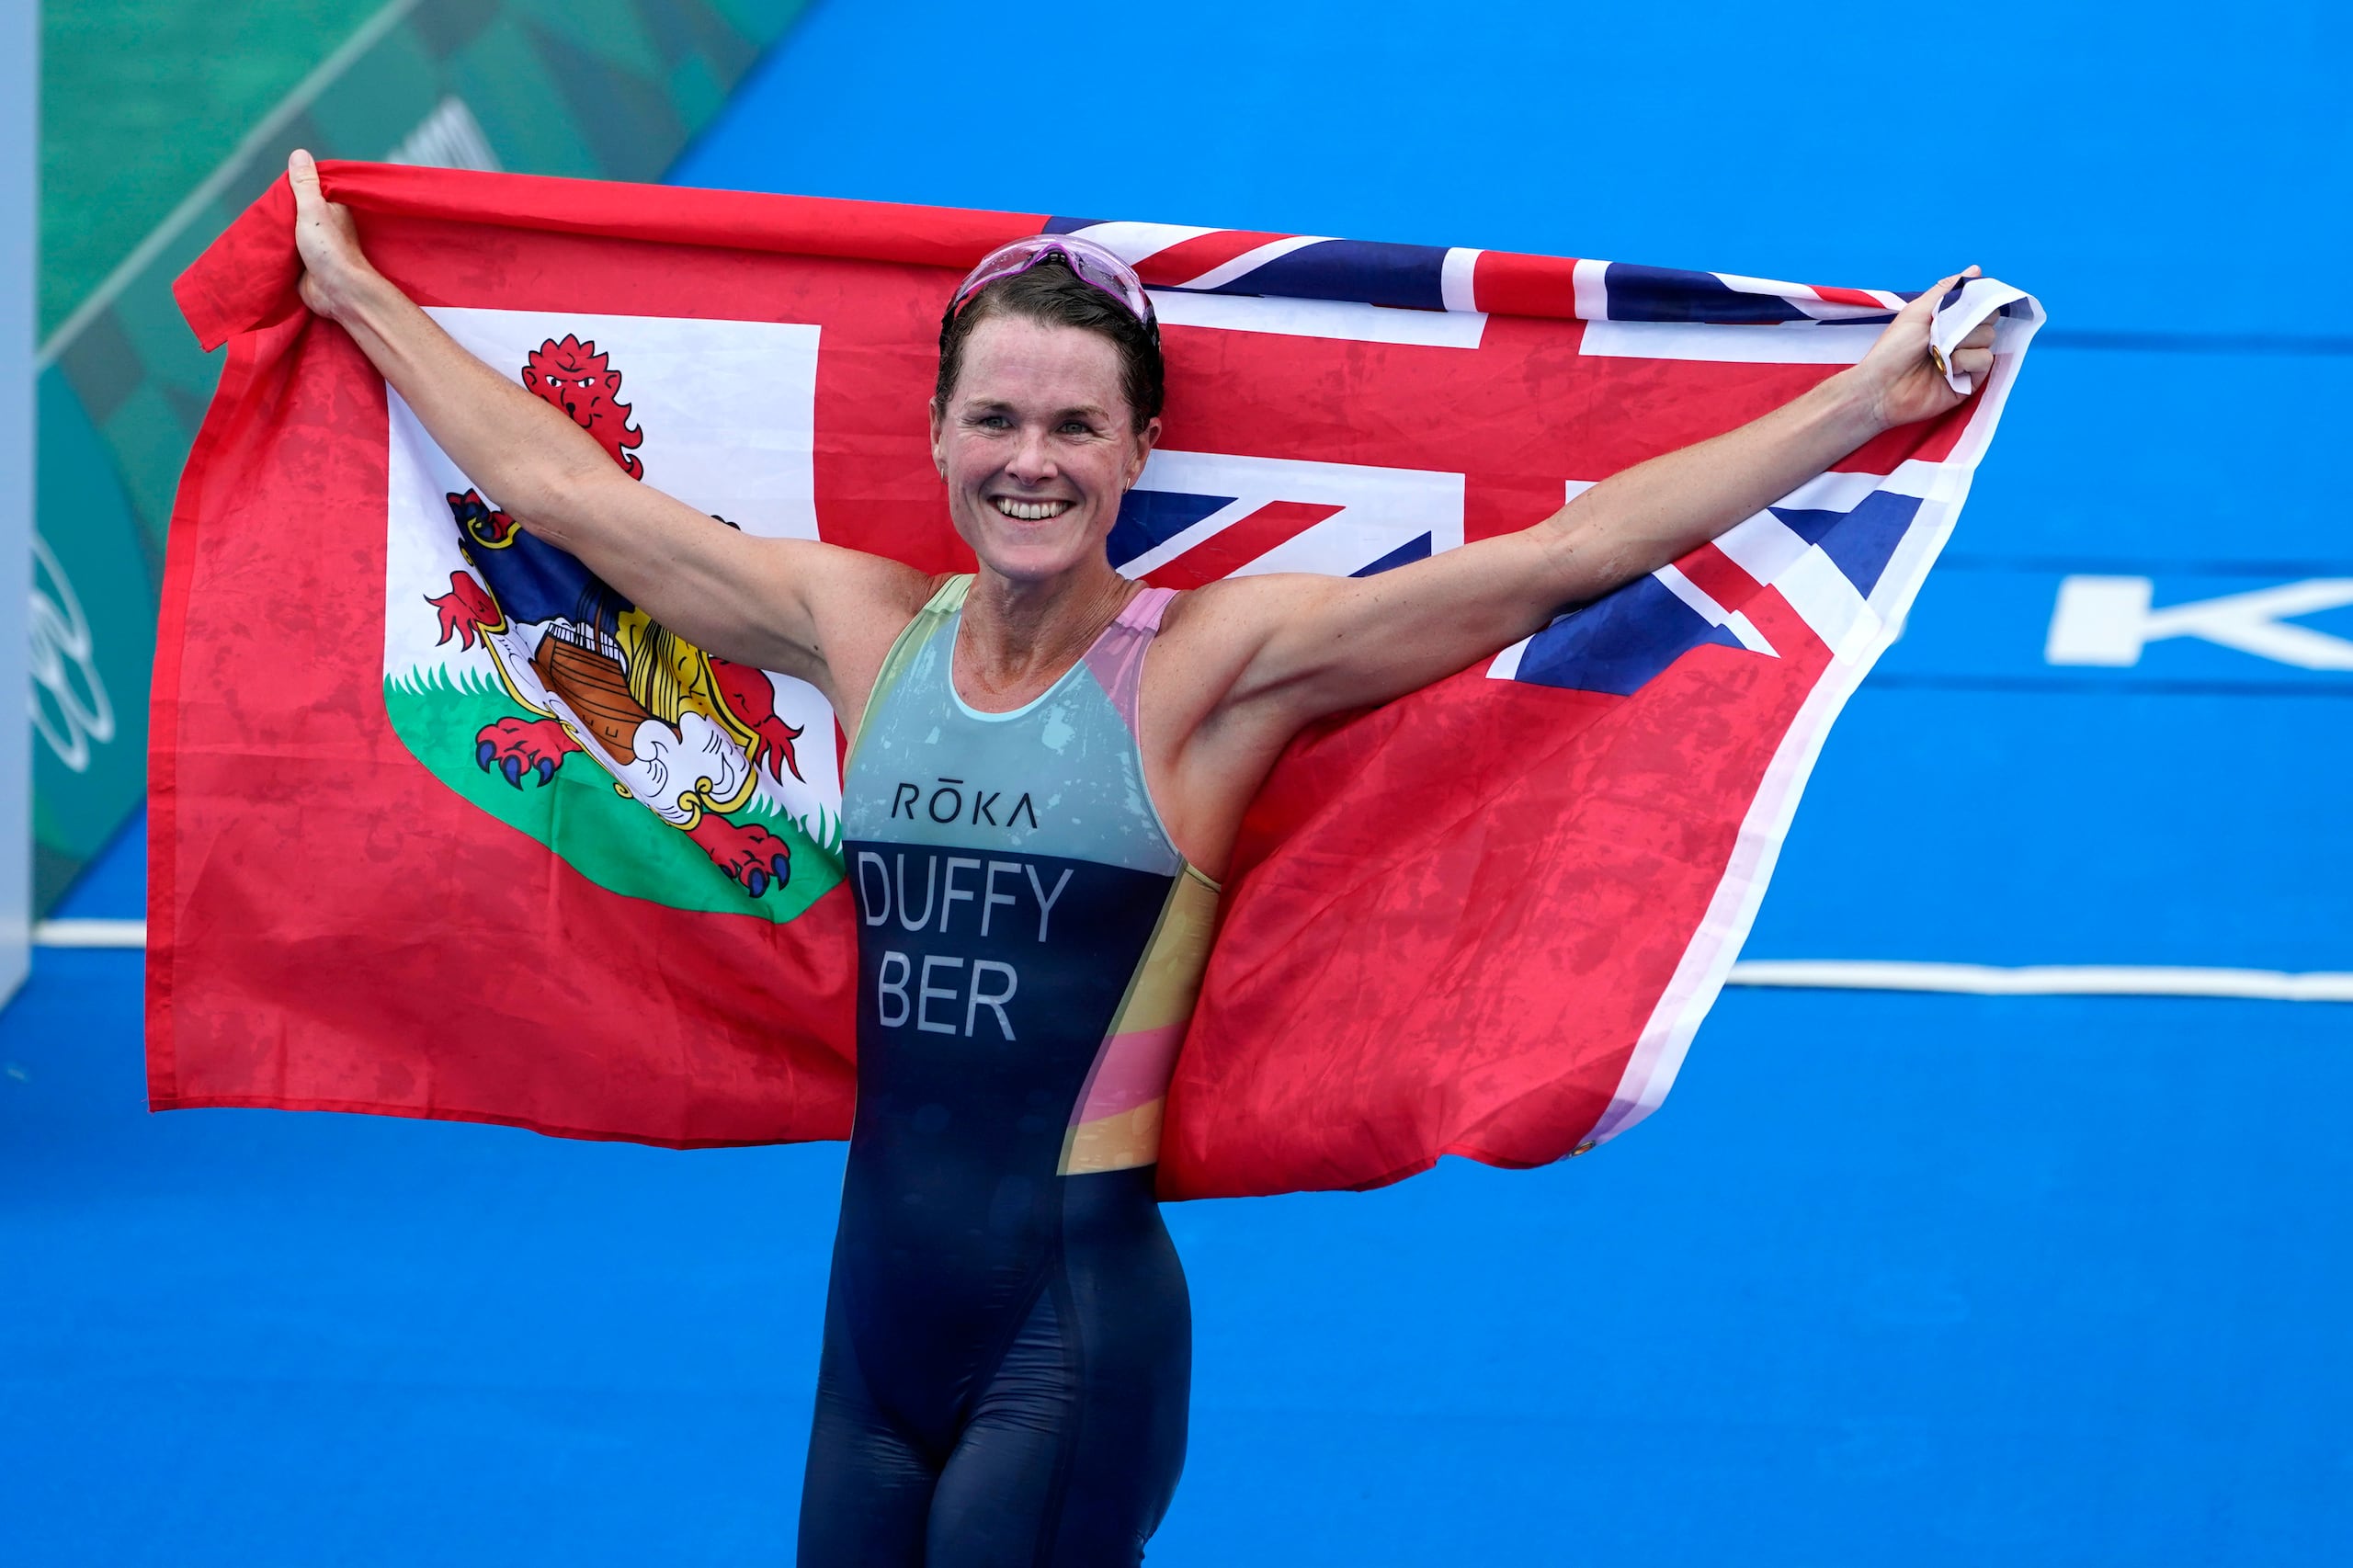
point(1924, 1281)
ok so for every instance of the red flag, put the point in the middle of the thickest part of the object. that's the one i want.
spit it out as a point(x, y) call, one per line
point(419, 846)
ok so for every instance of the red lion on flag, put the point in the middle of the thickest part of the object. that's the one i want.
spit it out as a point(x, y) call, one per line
point(573, 376)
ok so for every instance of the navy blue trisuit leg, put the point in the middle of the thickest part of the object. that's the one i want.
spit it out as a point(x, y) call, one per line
point(1060, 1448)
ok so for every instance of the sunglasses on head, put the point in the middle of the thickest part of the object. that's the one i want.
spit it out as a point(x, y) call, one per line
point(1091, 263)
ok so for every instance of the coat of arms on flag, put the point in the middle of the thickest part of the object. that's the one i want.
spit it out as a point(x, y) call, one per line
point(1485, 919)
point(511, 672)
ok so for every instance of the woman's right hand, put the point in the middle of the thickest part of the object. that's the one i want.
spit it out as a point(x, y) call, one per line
point(335, 269)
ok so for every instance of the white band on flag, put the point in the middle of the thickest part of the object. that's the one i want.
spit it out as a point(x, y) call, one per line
point(1249, 261)
point(1778, 343)
point(1454, 279)
point(1338, 319)
point(1134, 243)
point(1592, 279)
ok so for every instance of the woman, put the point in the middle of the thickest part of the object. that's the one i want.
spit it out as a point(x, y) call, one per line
point(1006, 1351)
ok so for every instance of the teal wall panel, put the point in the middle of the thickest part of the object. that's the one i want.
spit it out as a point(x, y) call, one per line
point(598, 88)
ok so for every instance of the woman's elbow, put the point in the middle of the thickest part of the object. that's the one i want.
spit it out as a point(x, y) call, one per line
point(556, 502)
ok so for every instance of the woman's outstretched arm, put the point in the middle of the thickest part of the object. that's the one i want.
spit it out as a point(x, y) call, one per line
point(787, 604)
point(1307, 646)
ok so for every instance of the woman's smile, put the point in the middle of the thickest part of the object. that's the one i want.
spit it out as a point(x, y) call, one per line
point(1029, 511)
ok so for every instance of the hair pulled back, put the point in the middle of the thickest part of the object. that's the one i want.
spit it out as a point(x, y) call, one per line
point(1050, 294)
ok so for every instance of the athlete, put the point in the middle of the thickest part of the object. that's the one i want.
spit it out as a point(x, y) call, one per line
point(1050, 766)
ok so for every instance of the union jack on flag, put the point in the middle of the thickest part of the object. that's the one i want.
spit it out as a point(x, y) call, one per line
point(1485, 919)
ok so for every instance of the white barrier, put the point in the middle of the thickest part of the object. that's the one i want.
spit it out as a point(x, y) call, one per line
point(19, 258)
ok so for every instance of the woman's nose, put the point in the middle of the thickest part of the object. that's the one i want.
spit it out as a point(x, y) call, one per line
point(1032, 460)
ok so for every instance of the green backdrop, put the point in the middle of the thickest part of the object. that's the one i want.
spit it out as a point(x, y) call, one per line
point(161, 120)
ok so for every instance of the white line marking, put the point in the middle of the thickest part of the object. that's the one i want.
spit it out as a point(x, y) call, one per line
point(2043, 980)
point(448, 137)
point(90, 934)
point(371, 31)
point(1810, 974)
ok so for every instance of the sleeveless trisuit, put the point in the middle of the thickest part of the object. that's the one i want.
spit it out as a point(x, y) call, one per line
point(1009, 1343)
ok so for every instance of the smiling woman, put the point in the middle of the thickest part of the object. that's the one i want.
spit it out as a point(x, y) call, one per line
point(1050, 766)
point(1048, 430)
point(1044, 417)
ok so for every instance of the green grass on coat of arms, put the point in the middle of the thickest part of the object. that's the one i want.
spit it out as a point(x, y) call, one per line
point(579, 815)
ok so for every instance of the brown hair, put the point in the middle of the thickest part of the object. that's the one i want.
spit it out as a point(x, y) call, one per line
point(1051, 293)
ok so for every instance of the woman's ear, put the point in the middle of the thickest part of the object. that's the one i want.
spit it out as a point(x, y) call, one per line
point(1146, 438)
point(938, 425)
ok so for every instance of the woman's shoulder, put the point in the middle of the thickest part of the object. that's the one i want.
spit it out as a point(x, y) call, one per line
point(1235, 608)
point(1207, 634)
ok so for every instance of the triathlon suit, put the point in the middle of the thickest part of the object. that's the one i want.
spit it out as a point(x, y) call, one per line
point(1008, 1342)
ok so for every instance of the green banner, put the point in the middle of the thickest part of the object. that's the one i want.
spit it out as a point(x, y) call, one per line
point(600, 88)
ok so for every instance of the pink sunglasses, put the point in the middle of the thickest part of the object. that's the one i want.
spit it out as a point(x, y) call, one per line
point(1092, 264)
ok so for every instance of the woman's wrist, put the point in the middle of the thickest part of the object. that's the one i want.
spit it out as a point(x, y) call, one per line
point(354, 293)
point(1853, 406)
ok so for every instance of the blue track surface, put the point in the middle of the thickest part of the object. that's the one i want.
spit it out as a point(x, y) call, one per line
point(1918, 1281)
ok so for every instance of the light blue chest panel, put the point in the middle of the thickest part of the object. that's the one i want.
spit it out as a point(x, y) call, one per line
point(1059, 776)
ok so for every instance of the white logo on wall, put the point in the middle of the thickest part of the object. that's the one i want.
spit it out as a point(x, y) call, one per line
point(448, 138)
point(69, 702)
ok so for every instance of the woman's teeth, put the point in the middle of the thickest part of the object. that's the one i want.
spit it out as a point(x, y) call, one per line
point(1029, 511)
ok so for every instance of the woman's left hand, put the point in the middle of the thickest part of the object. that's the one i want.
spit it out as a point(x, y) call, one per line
point(1902, 381)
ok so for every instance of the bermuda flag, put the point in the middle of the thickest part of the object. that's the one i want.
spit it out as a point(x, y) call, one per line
point(444, 826)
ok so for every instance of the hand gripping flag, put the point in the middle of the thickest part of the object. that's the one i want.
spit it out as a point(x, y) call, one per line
point(444, 826)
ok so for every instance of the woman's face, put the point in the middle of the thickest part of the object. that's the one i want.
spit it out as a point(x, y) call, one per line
point(1037, 446)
